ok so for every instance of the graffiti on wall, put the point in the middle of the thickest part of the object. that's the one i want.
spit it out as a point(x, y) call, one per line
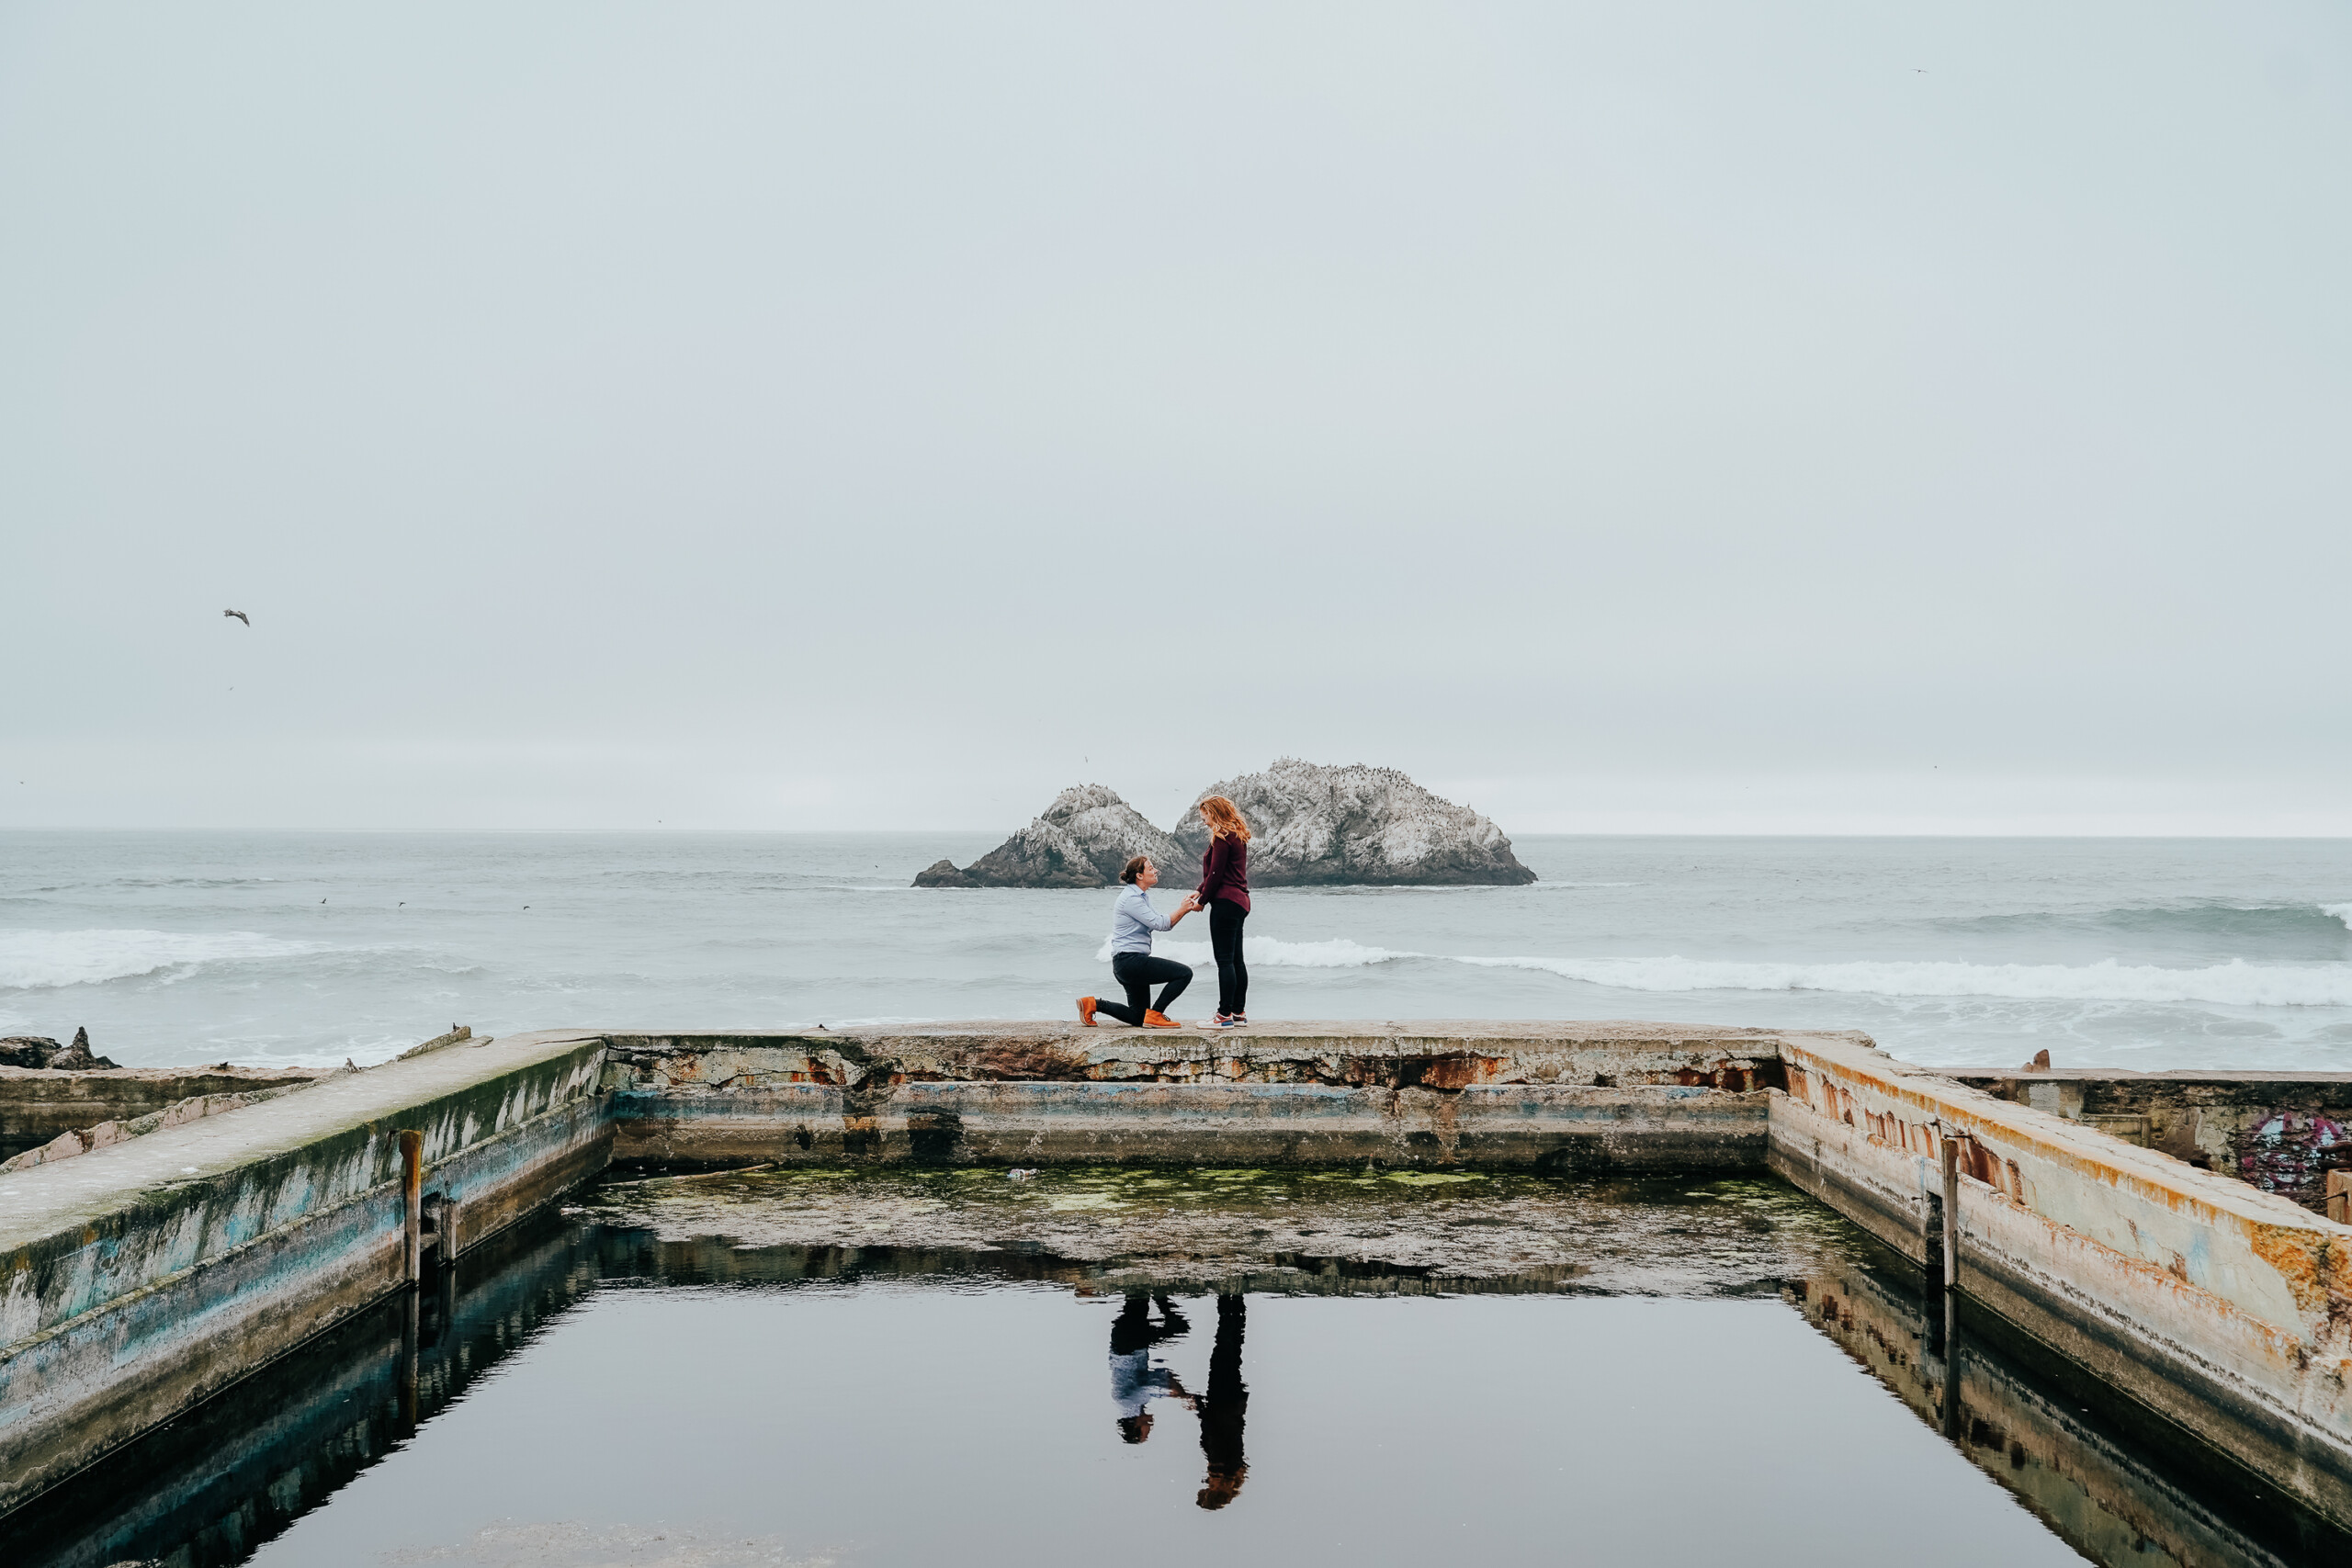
point(2290, 1151)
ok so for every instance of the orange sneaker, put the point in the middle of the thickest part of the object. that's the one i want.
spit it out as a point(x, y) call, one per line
point(1086, 1006)
point(1156, 1020)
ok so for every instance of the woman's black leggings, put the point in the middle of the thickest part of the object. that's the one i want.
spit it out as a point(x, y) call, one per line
point(1136, 973)
point(1225, 940)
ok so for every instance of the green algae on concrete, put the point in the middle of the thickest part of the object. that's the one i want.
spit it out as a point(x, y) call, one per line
point(1736, 1235)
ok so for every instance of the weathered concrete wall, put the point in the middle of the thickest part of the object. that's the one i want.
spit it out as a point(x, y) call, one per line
point(1559, 1096)
point(2280, 1132)
point(140, 1278)
point(2096, 1476)
point(39, 1104)
point(214, 1486)
point(2224, 1308)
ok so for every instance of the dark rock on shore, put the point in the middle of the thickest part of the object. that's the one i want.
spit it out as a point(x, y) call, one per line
point(1316, 825)
point(28, 1051)
point(40, 1051)
point(1082, 841)
point(1311, 825)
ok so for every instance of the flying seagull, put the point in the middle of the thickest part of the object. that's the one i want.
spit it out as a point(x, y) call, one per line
point(240, 615)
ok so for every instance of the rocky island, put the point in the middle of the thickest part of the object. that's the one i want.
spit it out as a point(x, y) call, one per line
point(1082, 840)
point(1312, 825)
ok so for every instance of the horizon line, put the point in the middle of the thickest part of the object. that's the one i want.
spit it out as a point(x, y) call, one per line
point(2210, 837)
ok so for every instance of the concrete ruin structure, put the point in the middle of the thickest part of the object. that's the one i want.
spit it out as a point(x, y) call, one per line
point(2155, 1233)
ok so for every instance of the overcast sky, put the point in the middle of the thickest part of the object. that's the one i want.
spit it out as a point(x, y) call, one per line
point(1659, 417)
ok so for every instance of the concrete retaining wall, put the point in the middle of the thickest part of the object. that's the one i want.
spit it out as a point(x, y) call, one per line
point(1559, 1096)
point(2073, 1454)
point(2225, 1309)
point(2281, 1132)
point(141, 1279)
point(1246, 1123)
point(39, 1104)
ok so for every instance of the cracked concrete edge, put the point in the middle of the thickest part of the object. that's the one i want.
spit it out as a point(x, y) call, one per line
point(37, 1203)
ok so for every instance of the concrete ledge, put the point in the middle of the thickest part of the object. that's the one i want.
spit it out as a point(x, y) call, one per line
point(1647, 1128)
point(2217, 1305)
point(1557, 1096)
point(142, 1278)
point(223, 1479)
point(1893, 1197)
point(1440, 1055)
point(39, 1104)
point(2278, 1130)
point(2053, 1439)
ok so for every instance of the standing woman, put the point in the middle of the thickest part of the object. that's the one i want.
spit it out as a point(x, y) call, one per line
point(1224, 893)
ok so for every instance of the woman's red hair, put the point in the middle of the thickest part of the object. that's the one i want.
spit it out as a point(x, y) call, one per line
point(1224, 821)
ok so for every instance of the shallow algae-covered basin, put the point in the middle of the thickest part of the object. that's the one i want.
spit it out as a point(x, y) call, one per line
point(891, 1366)
point(1741, 1234)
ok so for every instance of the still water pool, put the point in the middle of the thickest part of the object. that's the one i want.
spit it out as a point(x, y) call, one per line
point(694, 1375)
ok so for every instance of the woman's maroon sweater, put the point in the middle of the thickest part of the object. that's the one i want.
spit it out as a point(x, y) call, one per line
point(1224, 873)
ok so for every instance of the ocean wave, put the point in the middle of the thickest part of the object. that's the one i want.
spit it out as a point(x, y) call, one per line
point(2235, 983)
point(1270, 953)
point(2180, 923)
point(41, 960)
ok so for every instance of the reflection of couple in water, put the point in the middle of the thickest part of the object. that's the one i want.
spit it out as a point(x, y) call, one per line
point(1136, 1382)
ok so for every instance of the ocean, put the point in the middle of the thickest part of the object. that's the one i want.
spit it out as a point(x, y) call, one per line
point(311, 948)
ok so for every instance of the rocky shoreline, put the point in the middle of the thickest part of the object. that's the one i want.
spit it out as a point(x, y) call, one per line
point(40, 1051)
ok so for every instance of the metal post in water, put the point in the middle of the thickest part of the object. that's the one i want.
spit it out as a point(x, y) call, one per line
point(1948, 1148)
point(1953, 1408)
point(447, 1325)
point(412, 1193)
point(410, 1306)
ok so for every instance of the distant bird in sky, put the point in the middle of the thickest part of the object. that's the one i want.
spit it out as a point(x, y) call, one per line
point(240, 615)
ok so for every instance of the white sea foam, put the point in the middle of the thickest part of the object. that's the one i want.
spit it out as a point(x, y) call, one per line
point(1270, 953)
point(2234, 984)
point(36, 960)
point(2341, 911)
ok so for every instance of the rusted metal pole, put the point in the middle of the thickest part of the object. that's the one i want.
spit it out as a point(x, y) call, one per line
point(1948, 1148)
point(413, 1196)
